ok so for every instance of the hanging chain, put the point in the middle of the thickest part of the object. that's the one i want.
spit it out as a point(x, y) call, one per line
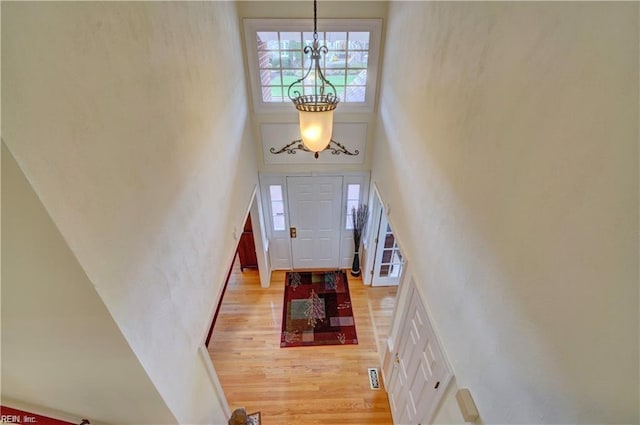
point(315, 24)
point(324, 96)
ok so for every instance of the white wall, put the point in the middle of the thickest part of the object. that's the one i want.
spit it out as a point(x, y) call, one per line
point(60, 346)
point(507, 148)
point(260, 240)
point(130, 122)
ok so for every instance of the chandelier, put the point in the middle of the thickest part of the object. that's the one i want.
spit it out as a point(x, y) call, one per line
point(317, 101)
point(315, 98)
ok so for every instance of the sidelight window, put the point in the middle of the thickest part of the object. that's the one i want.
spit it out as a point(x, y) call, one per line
point(353, 199)
point(277, 207)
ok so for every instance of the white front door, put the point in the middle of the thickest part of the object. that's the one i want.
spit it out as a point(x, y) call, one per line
point(315, 207)
point(420, 375)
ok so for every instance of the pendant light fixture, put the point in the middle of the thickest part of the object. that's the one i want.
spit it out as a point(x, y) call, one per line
point(317, 100)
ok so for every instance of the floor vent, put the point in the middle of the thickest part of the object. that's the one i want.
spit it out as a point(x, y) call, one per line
point(374, 381)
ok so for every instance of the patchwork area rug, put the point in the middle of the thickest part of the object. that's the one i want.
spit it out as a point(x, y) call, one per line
point(317, 310)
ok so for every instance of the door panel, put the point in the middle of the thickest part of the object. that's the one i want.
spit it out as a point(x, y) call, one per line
point(420, 374)
point(315, 205)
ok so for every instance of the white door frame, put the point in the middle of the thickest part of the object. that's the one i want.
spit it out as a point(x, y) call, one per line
point(369, 238)
point(260, 238)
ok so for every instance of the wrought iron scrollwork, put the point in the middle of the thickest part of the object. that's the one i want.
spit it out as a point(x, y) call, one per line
point(341, 149)
point(290, 148)
point(336, 148)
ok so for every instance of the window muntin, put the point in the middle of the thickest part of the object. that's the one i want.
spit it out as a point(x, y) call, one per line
point(392, 261)
point(353, 200)
point(275, 57)
point(281, 62)
point(277, 207)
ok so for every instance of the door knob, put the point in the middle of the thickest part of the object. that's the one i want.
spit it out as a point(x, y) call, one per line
point(292, 232)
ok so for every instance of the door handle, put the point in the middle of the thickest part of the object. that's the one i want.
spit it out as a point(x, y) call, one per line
point(397, 359)
point(292, 232)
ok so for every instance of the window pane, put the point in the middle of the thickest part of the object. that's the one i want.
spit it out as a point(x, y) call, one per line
point(389, 241)
point(344, 65)
point(272, 94)
point(336, 40)
point(337, 77)
point(267, 40)
point(351, 204)
point(290, 41)
point(280, 60)
point(357, 77)
point(276, 192)
point(397, 256)
point(355, 94)
point(265, 77)
point(278, 223)
point(359, 40)
point(311, 89)
point(275, 94)
point(358, 59)
point(264, 60)
point(295, 60)
point(386, 256)
point(353, 199)
point(337, 59)
point(286, 60)
point(277, 207)
point(353, 192)
point(270, 78)
point(349, 223)
point(306, 62)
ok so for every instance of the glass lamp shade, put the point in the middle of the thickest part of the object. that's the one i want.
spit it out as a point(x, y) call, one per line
point(316, 129)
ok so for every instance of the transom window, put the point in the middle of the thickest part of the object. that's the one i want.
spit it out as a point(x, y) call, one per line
point(276, 59)
point(282, 62)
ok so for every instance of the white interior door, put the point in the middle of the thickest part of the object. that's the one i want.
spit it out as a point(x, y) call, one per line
point(389, 261)
point(315, 207)
point(420, 375)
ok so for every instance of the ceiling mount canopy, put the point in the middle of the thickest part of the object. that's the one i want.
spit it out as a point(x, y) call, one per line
point(314, 97)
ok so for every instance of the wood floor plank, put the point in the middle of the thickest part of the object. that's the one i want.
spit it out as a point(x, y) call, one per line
point(299, 385)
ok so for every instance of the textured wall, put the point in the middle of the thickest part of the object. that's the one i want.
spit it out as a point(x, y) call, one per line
point(130, 122)
point(507, 148)
point(60, 346)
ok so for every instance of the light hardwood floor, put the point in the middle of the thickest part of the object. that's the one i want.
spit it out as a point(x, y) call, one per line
point(298, 385)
